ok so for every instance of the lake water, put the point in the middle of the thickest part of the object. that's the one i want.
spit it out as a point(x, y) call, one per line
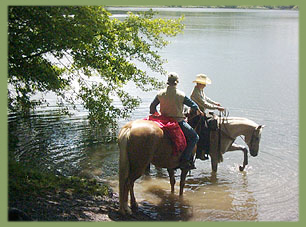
point(252, 58)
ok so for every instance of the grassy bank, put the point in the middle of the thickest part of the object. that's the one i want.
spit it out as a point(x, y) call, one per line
point(30, 181)
point(44, 196)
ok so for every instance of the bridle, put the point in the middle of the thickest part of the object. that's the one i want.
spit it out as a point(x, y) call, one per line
point(254, 137)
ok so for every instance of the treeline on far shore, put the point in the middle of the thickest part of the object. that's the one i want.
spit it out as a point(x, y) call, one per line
point(295, 7)
point(284, 7)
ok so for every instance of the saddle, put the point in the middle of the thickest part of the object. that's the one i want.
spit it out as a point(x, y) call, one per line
point(203, 125)
point(172, 130)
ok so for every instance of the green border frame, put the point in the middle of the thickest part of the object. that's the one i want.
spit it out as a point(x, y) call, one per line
point(3, 99)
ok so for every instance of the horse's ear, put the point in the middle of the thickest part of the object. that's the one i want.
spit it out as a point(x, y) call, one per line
point(260, 126)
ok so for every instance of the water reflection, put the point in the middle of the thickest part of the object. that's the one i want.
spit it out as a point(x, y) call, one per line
point(101, 162)
point(217, 199)
point(52, 141)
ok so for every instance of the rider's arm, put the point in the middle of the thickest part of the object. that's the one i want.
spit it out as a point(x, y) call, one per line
point(190, 103)
point(154, 105)
point(211, 101)
point(202, 100)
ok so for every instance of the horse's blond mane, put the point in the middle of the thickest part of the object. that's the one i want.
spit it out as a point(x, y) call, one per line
point(239, 121)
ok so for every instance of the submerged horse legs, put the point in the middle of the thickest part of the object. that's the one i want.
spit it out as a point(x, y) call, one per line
point(172, 179)
point(182, 182)
point(233, 147)
point(236, 147)
point(214, 162)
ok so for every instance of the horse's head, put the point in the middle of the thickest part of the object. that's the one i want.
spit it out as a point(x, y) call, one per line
point(254, 141)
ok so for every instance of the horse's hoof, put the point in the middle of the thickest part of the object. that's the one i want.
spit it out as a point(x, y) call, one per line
point(241, 168)
point(125, 211)
point(135, 207)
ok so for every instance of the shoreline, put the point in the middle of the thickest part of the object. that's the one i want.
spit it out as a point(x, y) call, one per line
point(42, 196)
point(65, 207)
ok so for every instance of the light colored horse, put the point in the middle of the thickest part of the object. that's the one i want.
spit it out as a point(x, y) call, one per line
point(223, 141)
point(142, 142)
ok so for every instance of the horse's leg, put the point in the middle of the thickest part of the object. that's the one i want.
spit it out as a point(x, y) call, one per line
point(182, 182)
point(214, 159)
point(236, 147)
point(214, 164)
point(147, 171)
point(124, 195)
point(134, 204)
point(172, 179)
point(213, 152)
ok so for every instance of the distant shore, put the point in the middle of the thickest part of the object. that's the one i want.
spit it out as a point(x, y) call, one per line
point(291, 7)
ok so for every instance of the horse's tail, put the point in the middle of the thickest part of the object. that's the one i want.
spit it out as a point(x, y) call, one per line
point(124, 165)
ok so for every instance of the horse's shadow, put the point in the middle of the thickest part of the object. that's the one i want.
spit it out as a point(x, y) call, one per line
point(170, 208)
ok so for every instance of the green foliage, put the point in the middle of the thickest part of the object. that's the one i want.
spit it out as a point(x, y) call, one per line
point(84, 55)
point(27, 181)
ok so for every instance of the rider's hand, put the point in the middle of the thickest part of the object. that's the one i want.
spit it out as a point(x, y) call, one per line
point(199, 112)
point(220, 108)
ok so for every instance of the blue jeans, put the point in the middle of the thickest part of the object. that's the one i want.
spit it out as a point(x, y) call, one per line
point(191, 138)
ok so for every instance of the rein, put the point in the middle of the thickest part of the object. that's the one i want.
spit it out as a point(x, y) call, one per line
point(195, 128)
point(219, 134)
point(225, 115)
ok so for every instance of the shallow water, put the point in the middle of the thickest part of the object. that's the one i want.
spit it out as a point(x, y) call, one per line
point(252, 58)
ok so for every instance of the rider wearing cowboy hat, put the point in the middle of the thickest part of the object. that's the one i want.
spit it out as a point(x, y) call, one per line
point(199, 97)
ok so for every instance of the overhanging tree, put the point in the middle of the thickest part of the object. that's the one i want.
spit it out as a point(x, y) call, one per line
point(83, 55)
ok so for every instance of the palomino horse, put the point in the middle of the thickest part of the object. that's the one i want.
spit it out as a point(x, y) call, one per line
point(142, 142)
point(223, 139)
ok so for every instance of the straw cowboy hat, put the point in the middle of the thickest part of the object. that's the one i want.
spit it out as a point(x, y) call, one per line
point(202, 79)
